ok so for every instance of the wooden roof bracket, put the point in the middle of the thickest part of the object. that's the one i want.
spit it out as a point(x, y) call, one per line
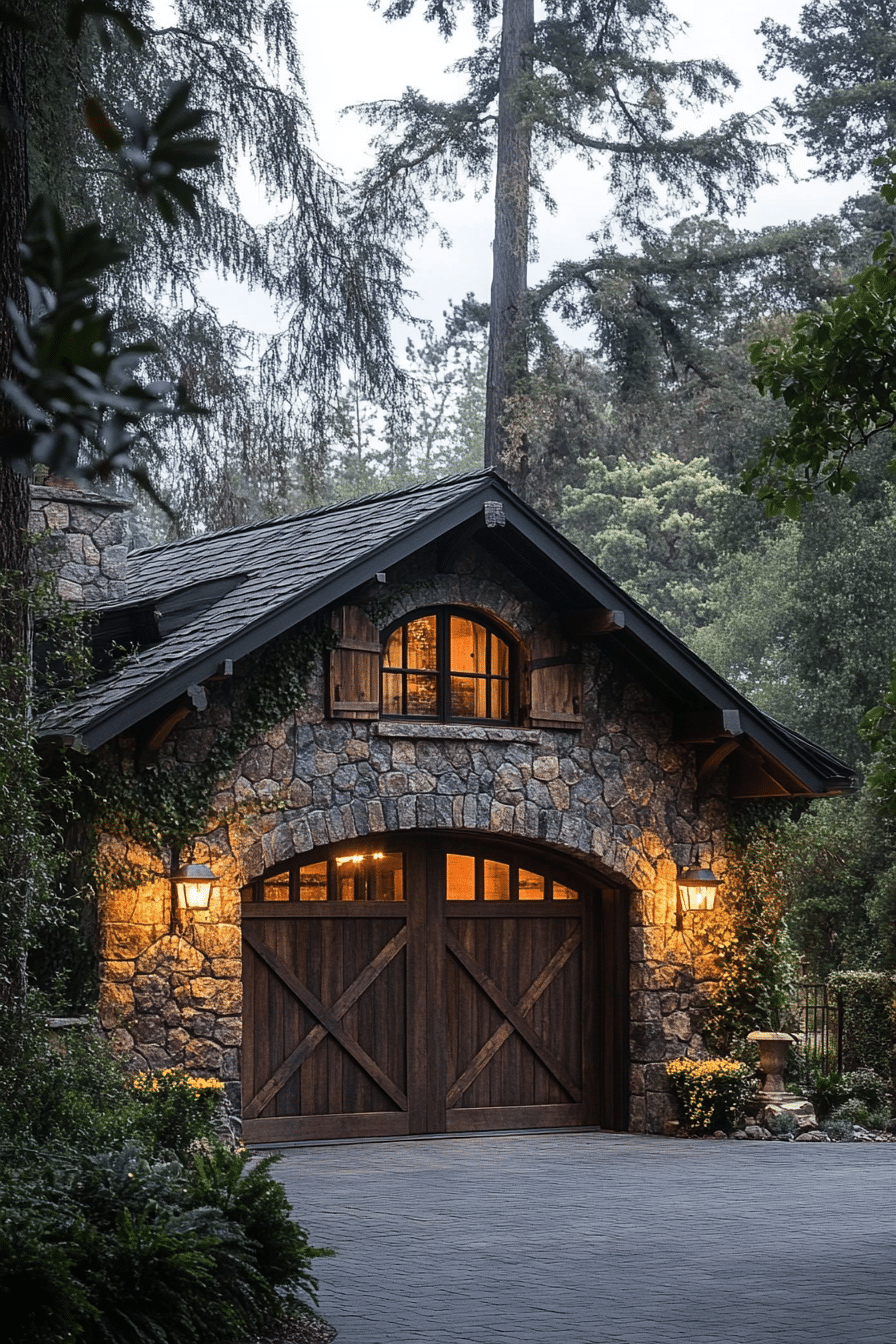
point(162, 730)
point(708, 768)
point(164, 726)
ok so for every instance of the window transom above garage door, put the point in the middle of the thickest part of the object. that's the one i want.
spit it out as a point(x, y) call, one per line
point(469, 872)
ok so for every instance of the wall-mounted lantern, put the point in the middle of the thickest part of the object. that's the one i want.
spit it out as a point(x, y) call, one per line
point(193, 884)
point(697, 889)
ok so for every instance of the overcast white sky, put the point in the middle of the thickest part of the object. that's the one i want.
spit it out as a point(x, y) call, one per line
point(352, 55)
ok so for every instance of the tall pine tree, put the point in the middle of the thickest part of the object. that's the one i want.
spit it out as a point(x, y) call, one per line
point(590, 77)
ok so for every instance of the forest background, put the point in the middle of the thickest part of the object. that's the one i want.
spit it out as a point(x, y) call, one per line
point(637, 406)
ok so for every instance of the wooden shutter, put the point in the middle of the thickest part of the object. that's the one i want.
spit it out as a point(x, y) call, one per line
point(354, 681)
point(555, 679)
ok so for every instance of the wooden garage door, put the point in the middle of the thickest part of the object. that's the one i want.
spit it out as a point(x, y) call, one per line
point(448, 986)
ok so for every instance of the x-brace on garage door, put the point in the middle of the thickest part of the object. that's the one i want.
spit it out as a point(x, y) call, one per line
point(431, 985)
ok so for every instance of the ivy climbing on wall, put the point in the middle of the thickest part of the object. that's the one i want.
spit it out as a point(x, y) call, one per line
point(756, 958)
point(167, 805)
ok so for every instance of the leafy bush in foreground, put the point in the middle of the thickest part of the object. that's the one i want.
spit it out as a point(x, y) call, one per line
point(122, 1219)
point(70, 1092)
point(116, 1249)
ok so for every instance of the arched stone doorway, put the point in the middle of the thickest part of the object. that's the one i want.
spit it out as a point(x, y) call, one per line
point(427, 983)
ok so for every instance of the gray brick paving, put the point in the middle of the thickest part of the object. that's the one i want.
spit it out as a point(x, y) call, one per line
point(589, 1238)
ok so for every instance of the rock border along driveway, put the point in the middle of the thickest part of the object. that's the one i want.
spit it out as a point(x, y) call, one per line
point(592, 1238)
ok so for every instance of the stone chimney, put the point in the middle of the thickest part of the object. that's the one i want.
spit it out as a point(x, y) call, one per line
point(90, 536)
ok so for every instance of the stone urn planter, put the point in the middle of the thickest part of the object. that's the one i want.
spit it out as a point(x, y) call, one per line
point(774, 1097)
point(773, 1047)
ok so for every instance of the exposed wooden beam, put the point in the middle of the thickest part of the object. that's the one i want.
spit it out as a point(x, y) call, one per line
point(756, 774)
point(164, 728)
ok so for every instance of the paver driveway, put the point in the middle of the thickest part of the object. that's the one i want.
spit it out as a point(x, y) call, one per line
point(591, 1238)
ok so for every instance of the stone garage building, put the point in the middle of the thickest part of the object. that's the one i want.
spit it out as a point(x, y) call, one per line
point(453, 775)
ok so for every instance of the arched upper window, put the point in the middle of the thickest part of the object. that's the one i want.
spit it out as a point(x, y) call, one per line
point(447, 664)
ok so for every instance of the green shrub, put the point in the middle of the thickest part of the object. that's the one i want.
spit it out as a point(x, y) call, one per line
point(826, 1092)
point(784, 1123)
point(174, 1109)
point(122, 1219)
point(857, 1112)
point(712, 1091)
point(869, 1018)
point(257, 1204)
point(869, 1087)
point(61, 1090)
point(853, 1111)
point(838, 1130)
point(68, 1091)
point(115, 1249)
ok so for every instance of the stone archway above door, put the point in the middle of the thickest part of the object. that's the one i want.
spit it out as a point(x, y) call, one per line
point(432, 983)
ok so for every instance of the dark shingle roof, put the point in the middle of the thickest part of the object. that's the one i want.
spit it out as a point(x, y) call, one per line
point(284, 559)
point(288, 569)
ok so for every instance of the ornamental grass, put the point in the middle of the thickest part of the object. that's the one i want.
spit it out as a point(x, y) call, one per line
point(712, 1092)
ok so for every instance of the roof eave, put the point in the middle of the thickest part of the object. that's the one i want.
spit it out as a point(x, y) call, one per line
point(640, 628)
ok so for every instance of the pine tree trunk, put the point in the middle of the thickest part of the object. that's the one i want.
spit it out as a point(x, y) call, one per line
point(14, 501)
point(505, 446)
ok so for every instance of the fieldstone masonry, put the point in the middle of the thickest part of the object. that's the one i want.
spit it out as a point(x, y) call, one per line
point(619, 794)
point(89, 539)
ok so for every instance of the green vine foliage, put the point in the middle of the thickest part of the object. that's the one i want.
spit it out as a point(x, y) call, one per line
point(167, 806)
point(869, 1019)
point(756, 957)
point(34, 809)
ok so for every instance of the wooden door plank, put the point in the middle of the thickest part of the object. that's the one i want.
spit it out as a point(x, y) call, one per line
point(615, 999)
point(437, 989)
point(525, 1005)
point(297, 1128)
point(416, 1008)
point(318, 1033)
point(332, 979)
point(590, 1043)
point(325, 1016)
point(294, 910)
point(504, 1006)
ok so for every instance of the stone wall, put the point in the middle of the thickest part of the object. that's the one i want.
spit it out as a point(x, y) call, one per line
point(619, 795)
point(170, 990)
point(89, 537)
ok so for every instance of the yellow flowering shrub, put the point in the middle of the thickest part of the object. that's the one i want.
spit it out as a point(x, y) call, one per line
point(712, 1092)
point(178, 1108)
point(164, 1079)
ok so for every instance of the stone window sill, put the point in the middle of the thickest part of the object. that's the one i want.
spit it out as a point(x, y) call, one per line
point(455, 732)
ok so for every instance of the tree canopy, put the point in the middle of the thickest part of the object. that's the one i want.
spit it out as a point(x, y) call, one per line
point(591, 77)
point(330, 271)
point(844, 108)
point(835, 374)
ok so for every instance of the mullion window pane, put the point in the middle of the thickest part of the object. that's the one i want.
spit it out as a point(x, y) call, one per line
point(422, 649)
point(422, 694)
